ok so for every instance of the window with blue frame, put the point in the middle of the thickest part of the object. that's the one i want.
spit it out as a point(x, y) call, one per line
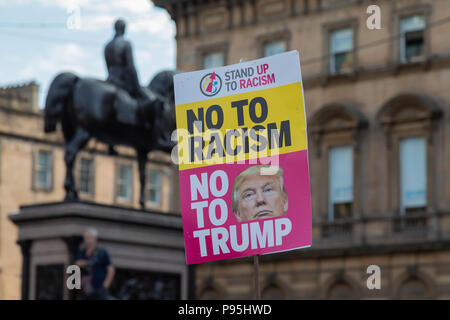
point(413, 174)
point(154, 187)
point(341, 50)
point(86, 176)
point(412, 38)
point(125, 183)
point(340, 203)
point(43, 175)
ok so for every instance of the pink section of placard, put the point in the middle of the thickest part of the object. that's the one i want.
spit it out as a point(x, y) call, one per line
point(296, 182)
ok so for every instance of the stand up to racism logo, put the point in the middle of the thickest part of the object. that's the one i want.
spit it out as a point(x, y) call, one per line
point(211, 84)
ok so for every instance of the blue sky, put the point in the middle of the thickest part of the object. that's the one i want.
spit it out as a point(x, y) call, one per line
point(40, 38)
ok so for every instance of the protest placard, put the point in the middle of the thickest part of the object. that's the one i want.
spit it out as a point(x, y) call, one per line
point(243, 159)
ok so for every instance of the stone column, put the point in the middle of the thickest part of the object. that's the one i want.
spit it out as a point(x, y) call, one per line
point(25, 246)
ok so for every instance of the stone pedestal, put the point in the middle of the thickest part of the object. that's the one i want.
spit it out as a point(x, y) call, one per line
point(146, 248)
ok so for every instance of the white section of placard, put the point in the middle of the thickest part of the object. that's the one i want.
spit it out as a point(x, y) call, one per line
point(238, 78)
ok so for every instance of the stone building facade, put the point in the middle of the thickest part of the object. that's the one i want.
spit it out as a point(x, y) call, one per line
point(378, 108)
point(32, 171)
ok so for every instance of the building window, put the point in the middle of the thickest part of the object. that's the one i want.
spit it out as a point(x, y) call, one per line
point(213, 60)
point(86, 176)
point(154, 187)
point(335, 134)
point(125, 183)
point(274, 47)
point(413, 174)
point(340, 182)
point(43, 170)
point(341, 51)
point(410, 122)
point(412, 38)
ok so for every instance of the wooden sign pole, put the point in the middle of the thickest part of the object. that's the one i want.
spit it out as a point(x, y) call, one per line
point(256, 276)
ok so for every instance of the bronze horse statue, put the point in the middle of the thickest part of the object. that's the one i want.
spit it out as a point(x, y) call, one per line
point(89, 108)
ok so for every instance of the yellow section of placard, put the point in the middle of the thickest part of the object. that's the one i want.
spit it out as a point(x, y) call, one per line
point(241, 127)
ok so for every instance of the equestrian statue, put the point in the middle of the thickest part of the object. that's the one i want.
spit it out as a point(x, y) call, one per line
point(117, 111)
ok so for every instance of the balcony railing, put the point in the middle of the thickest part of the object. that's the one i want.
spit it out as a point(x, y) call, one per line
point(379, 230)
point(411, 223)
point(340, 228)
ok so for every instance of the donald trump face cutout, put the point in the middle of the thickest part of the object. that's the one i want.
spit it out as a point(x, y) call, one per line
point(257, 196)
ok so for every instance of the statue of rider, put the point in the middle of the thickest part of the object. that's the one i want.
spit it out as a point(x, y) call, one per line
point(122, 72)
point(119, 60)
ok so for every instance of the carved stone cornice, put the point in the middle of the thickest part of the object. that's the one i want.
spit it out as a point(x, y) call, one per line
point(336, 117)
point(406, 108)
